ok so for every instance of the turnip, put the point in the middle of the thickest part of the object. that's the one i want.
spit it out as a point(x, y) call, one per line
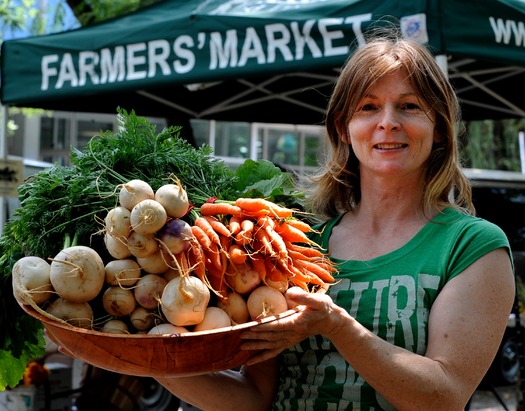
point(156, 263)
point(148, 290)
point(148, 217)
point(31, 280)
point(185, 300)
point(117, 222)
point(214, 317)
point(115, 327)
point(175, 235)
point(174, 199)
point(235, 306)
point(118, 301)
point(133, 192)
point(266, 301)
point(77, 274)
point(171, 274)
point(245, 278)
point(167, 329)
point(125, 272)
point(76, 314)
point(142, 319)
point(141, 245)
point(116, 246)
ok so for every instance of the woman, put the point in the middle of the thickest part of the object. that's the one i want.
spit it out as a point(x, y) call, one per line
point(424, 288)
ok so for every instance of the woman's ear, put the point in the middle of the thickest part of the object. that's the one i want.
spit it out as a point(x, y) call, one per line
point(342, 133)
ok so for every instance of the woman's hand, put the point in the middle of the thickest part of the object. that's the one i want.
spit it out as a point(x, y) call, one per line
point(316, 314)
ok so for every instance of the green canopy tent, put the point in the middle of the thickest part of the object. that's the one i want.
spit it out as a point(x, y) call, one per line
point(264, 61)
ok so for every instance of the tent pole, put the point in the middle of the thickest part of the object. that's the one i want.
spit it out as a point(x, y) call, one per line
point(441, 60)
point(3, 156)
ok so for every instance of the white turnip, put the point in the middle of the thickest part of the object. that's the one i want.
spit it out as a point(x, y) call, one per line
point(266, 301)
point(124, 273)
point(174, 199)
point(167, 329)
point(141, 245)
point(133, 192)
point(118, 301)
point(214, 318)
point(116, 246)
point(77, 274)
point(235, 306)
point(31, 280)
point(142, 319)
point(115, 327)
point(184, 300)
point(148, 290)
point(156, 263)
point(245, 278)
point(117, 222)
point(77, 314)
point(148, 217)
point(175, 235)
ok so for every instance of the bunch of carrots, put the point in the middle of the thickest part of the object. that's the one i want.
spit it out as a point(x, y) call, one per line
point(260, 234)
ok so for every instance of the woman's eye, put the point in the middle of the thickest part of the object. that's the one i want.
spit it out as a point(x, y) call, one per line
point(411, 106)
point(367, 107)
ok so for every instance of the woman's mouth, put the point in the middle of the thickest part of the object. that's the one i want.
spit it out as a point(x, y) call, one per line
point(389, 146)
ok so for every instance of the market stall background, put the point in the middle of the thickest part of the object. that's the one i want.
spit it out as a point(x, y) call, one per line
point(260, 61)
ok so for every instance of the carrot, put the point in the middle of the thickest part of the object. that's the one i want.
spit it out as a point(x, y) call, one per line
point(299, 224)
point(244, 237)
point(201, 236)
point(265, 242)
point(214, 255)
point(316, 270)
point(234, 224)
point(196, 260)
point(237, 254)
point(305, 250)
point(258, 263)
point(265, 222)
point(217, 226)
point(292, 234)
point(277, 243)
point(219, 208)
point(261, 205)
point(208, 229)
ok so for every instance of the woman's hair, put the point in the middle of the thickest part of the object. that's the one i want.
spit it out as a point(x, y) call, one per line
point(336, 188)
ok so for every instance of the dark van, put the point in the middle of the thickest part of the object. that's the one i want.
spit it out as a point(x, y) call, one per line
point(499, 196)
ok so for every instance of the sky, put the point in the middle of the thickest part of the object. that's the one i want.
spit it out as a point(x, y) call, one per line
point(51, 5)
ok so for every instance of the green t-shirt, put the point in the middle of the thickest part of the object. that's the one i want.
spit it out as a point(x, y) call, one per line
point(391, 295)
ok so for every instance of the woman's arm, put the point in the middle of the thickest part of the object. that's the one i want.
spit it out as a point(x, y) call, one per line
point(466, 325)
point(252, 388)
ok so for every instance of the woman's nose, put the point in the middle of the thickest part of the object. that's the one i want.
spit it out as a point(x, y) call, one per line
point(389, 119)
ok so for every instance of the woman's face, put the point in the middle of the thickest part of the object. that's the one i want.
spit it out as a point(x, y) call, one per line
point(392, 130)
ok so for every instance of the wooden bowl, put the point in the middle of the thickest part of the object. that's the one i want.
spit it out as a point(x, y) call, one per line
point(154, 355)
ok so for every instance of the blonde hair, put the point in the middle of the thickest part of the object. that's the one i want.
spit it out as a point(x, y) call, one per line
point(336, 188)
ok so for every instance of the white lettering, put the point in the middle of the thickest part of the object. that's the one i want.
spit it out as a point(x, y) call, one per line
point(133, 60)
point(48, 71)
point(67, 72)
point(425, 282)
point(252, 48)
point(112, 68)
point(356, 26)
point(223, 56)
point(305, 38)
point(158, 58)
point(181, 51)
point(402, 288)
point(329, 37)
point(87, 60)
point(504, 29)
point(278, 42)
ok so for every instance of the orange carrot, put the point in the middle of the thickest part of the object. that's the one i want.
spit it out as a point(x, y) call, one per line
point(299, 224)
point(208, 229)
point(244, 237)
point(277, 243)
point(196, 260)
point(258, 263)
point(217, 226)
point(214, 255)
point(315, 269)
point(255, 205)
point(292, 234)
point(201, 236)
point(305, 250)
point(237, 254)
point(234, 224)
point(219, 208)
point(265, 241)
